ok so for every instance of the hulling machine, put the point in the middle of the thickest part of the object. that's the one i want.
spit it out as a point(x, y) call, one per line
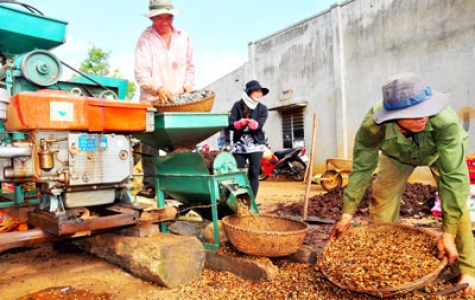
point(67, 146)
point(210, 182)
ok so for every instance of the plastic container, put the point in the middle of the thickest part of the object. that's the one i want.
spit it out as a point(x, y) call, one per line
point(58, 110)
point(471, 204)
point(437, 208)
point(471, 170)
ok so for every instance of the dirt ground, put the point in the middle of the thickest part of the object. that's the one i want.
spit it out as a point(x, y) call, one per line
point(53, 271)
point(61, 271)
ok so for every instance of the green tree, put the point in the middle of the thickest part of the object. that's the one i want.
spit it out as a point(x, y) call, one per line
point(97, 63)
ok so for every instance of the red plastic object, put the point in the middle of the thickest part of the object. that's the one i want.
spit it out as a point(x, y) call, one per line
point(471, 170)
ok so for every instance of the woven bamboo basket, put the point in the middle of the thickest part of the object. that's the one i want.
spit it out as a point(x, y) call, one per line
point(265, 235)
point(389, 228)
point(202, 105)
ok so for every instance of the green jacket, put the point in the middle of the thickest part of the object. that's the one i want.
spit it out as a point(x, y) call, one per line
point(441, 144)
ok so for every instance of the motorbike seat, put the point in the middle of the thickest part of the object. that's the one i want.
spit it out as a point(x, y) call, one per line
point(282, 153)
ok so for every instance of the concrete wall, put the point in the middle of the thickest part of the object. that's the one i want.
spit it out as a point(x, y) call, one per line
point(337, 60)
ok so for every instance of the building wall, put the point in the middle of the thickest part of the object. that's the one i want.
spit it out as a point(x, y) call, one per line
point(337, 60)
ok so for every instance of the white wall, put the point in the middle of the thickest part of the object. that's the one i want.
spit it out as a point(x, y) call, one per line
point(338, 59)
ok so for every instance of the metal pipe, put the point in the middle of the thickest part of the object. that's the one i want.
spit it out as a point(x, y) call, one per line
point(344, 102)
point(253, 58)
point(18, 173)
point(11, 152)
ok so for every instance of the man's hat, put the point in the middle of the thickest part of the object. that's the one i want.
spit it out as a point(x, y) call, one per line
point(405, 96)
point(161, 7)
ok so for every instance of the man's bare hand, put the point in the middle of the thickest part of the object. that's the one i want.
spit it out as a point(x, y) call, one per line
point(341, 226)
point(187, 89)
point(446, 246)
point(164, 96)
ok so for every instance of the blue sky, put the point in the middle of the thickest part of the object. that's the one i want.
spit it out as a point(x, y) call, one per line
point(220, 29)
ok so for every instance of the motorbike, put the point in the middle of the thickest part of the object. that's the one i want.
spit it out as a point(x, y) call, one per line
point(290, 162)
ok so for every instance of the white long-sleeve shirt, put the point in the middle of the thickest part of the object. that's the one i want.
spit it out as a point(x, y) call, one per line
point(156, 66)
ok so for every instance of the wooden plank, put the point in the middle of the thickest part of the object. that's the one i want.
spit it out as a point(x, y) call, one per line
point(19, 239)
point(310, 166)
point(64, 227)
point(162, 214)
point(246, 268)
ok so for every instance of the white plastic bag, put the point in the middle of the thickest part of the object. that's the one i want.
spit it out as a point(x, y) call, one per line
point(437, 209)
point(471, 203)
point(267, 153)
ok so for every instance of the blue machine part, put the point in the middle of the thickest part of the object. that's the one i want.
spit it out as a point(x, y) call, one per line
point(88, 142)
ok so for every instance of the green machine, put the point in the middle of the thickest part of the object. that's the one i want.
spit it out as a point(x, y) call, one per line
point(28, 65)
point(210, 182)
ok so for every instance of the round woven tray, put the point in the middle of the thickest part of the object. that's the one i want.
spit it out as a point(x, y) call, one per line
point(265, 235)
point(202, 105)
point(389, 228)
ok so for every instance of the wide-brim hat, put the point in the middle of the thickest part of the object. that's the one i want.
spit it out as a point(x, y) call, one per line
point(405, 96)
point(161, 7)
point(254, 85)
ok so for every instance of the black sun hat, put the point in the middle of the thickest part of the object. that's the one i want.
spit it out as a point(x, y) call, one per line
point(255, 85)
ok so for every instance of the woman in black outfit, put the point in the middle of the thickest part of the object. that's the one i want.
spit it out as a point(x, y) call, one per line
point(247, 118)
